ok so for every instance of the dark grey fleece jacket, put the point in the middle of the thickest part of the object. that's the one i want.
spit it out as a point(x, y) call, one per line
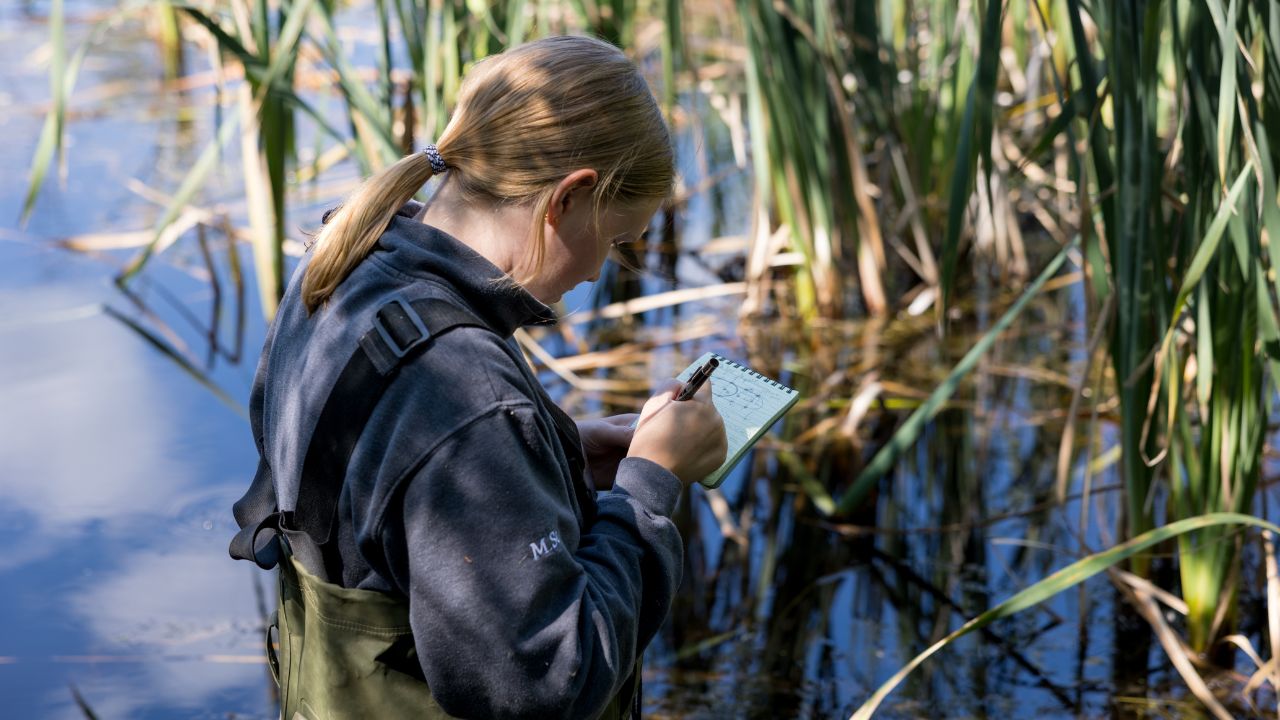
point(461, 497)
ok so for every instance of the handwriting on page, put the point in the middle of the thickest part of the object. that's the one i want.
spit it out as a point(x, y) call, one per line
point(747, 402)
point(743, 409)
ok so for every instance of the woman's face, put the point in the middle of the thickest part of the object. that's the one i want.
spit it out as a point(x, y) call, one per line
point(576, 247)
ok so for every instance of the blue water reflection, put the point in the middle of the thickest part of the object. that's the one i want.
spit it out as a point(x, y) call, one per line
point(116, 470)
point(116, 478)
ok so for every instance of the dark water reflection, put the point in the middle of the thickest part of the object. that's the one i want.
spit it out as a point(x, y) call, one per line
point(117, 471)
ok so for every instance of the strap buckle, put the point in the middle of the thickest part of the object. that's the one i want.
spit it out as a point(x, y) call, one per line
point(385, 326)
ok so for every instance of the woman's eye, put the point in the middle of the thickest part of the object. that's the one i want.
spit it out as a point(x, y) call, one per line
point(629, 253)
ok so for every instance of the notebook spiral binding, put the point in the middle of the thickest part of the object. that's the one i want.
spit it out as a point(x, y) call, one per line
point(753, 373)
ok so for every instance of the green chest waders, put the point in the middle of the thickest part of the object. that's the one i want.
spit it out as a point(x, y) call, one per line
point(343, 652)
point(346, 653)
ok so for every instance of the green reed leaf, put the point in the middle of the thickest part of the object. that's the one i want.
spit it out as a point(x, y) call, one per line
point(285, 50)
point(907, 435)
point(974, 140)
point(1067, 577)
point(1227, 88)
point(50, 143)
point(227, 42)
point(358, 96)
point(1208, 246)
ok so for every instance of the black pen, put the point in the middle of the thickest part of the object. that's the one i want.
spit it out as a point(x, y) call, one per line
point(696, 381)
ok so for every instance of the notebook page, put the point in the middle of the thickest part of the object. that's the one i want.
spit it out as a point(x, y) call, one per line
point(748, 402)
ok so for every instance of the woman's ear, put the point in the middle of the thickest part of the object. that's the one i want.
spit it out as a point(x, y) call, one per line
point(574, 187)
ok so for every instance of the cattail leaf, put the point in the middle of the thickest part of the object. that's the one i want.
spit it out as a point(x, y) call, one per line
point(1208, 245)
point(907, 435)
point(357, 95)
point(285, 50)
point(1227, 87)
point(1066, 578)
point(974, 140)
point(227, 42)
point(62, 81)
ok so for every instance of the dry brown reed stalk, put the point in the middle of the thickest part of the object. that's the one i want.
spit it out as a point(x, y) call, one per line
point(534, 348)
point(644, 304)
point(1267, 671)
point(1141, 598)
point(724, 516)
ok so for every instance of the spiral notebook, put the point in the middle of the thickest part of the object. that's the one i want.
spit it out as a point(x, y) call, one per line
point(749, 403)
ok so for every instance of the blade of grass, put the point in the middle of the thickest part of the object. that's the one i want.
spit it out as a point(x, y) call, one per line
point(62, 81)
point(1227, 87)
point(910, 431)
point(813, 487)
point(975, 133)
point(357, 94)
point(51, 136)
point(284, 51)
point(1206, 251)
point(1067, 577)
point(258, 72)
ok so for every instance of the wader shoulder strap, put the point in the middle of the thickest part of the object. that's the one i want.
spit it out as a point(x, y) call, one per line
point(401, 331)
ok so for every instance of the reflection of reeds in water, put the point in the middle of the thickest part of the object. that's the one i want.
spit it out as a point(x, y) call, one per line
point(82, 704)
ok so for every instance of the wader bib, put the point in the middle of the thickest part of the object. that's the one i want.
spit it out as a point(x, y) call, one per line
point(345, 652)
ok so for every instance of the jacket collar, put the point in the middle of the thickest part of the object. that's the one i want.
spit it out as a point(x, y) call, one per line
point(422, 251)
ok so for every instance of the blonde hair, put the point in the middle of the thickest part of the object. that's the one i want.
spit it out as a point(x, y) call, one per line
point(525, 118)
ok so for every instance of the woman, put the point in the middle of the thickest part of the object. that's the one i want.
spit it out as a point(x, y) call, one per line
point(444, 551)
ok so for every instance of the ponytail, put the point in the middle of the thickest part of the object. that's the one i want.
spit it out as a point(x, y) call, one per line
point(524, 118)
point(354, 229)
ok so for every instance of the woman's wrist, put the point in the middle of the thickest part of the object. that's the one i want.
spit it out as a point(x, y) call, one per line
point(656, 488)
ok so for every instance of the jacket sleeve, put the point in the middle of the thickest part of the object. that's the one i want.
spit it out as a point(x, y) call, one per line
point(515, 612)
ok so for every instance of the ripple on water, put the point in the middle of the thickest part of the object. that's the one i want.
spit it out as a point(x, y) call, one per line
point(205, 511)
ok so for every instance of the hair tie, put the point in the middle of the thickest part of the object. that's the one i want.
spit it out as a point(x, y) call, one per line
point(433, 155)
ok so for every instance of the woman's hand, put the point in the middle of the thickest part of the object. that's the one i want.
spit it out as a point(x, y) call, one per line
point(686, 437)
point(605, 442)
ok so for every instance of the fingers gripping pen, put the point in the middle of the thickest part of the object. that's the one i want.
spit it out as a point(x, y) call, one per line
point(695, 383)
